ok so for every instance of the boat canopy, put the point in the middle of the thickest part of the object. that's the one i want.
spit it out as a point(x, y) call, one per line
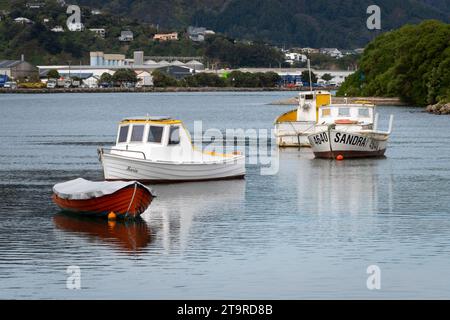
point(81, 189)
point(150, 119)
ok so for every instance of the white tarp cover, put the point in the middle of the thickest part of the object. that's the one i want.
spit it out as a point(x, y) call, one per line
point(81, 189)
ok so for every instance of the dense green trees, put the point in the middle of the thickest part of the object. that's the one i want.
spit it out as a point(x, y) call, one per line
point(161, 79)
point(305, 76)
point(106, 78)
point(233, 79)
point(318, 23)
point(327, 77)
point(123, 76)
point(412, 62)
point(53, 74)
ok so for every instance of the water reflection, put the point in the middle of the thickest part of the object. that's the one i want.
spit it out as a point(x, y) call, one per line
point(130, 236)
point(325, 186)
point(173, 213)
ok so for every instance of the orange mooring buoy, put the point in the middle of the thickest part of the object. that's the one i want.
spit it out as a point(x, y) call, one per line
point(112, 216)
point(340, 157)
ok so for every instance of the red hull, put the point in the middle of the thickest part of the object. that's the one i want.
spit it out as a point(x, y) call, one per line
point(122, 203)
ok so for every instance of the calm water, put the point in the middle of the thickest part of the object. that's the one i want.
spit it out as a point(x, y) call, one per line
point(310, 231)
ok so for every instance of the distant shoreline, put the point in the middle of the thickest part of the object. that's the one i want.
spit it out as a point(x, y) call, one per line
point(140, 90)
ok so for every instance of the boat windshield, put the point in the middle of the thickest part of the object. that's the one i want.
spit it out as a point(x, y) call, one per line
point(137, 134)
point(123, 134)
point(344, 112)
point(174, 135)
point(155, 134)
point(363, 113)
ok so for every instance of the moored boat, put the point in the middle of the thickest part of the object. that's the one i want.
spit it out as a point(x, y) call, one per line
point(159, 149)
point(349, 131)
point(293, 127)
point(124, 199)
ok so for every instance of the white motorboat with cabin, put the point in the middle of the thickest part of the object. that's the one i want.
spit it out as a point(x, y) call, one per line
point(349, 131)
point(159, 149)
point(293, 127)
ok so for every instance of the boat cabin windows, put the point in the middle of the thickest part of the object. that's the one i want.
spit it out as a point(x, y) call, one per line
point(155, 134)
point(308, 97)
point(123, 134)
point(363, 113)
point(326, 112)
point(137, 133)
point(344, 112)
point(174, 135)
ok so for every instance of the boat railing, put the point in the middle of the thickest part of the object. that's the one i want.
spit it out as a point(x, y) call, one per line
point(101, 151)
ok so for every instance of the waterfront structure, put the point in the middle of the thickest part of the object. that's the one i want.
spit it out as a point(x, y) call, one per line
point(18, 69)
point(138, 58)
point(100, 59)
point(145, 78)
point(339, 76)
point(166, 36)
point(177, 72)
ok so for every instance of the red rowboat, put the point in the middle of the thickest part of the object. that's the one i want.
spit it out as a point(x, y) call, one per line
point(125, 199)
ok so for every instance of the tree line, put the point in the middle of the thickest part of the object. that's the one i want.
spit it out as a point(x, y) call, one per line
point(412, 63)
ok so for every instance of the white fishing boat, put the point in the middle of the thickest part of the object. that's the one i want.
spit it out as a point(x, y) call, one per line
point(293, 127)
point(159, 149)
point(349, 131)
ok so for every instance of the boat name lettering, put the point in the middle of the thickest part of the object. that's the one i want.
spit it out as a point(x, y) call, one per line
point(132, 169)
point(350, 139)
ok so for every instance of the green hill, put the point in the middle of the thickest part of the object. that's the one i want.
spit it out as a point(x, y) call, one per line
point(412, 62)
point(318, 23)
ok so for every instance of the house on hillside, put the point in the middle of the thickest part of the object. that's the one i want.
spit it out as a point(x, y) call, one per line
point(18, 69)
point(35, 5)
point(166, 36)
point(332, 52)
point(99, 32)
point(76, 27)
point(23, 20)
point(293, 57)
point(198, 34)
point(126, 36)
point(57, 29)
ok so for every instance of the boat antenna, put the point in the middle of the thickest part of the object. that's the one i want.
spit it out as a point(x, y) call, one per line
point(309, 70)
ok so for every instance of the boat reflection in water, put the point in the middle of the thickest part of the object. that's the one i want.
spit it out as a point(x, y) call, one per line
point(130, 236)
point(183, 209)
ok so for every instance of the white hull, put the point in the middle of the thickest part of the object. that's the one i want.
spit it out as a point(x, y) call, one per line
point(357, 144)
point(116, 167)
point(294, 134)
